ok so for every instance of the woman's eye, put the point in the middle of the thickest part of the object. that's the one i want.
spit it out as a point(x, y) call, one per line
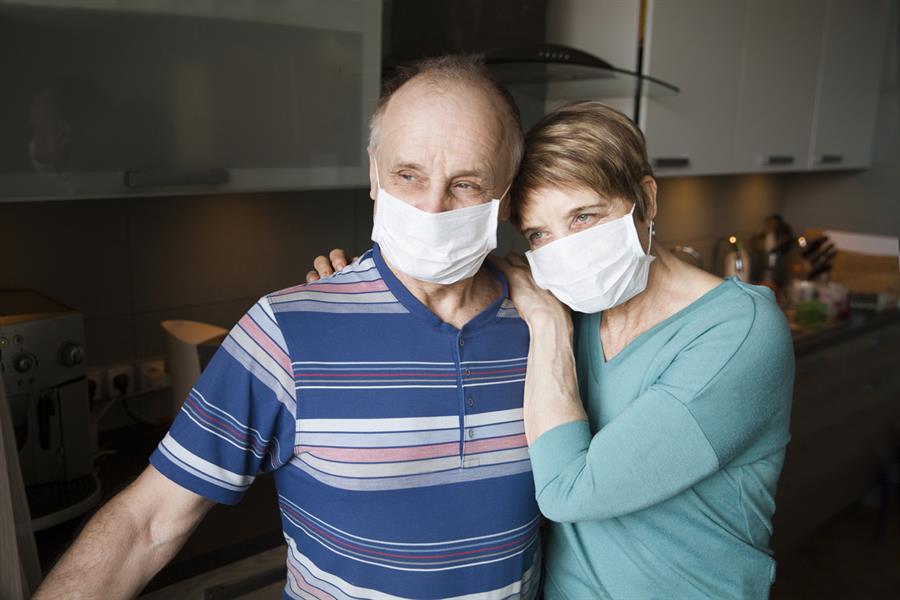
point(583, 218)
point(406, 176)
point(537, 235)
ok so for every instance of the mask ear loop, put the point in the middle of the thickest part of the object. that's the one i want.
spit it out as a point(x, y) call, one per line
point(377, 179)
point(505, 192)
point(650, 242)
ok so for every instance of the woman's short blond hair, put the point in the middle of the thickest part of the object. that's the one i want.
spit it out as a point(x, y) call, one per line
point(584, 144)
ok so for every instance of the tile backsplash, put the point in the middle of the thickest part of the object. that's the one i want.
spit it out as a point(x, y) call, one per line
point(129, 263)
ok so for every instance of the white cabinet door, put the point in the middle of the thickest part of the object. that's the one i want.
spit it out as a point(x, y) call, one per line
point(695, 44)
point(849, 78)
point(782, 43)
point(147, 97)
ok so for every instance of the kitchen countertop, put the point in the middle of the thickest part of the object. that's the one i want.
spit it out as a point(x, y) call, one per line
point(858, 323)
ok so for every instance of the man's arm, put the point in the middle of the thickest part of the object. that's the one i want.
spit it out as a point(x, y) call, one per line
point(128, 541)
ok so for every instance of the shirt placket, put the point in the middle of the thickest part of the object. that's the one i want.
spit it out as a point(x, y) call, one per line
point(466, 434)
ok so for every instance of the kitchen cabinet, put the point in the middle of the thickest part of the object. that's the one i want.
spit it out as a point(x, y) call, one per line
point(777, 89)
point(149, 97)
point(694, 44)
point(845, 428)
point(848, 84)
point(766, 85)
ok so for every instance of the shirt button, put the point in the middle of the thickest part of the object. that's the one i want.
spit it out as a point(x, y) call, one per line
point(462, 342)
point(467, 372)
point(469, 401)
point(471, 433)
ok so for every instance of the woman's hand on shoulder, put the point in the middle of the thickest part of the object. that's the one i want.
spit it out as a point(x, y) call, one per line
point(323, 266)
point(533, 303)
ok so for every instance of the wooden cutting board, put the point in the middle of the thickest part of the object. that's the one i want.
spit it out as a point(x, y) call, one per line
point(861, 272)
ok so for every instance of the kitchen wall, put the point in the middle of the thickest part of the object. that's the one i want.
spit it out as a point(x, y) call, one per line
point(866, 201)
point(701, 211)
point(130, 263)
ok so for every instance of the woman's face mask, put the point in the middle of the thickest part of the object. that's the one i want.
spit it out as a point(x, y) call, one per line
point(596, 268)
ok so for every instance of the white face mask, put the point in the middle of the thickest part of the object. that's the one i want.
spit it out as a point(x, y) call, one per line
point(595, 269)
point(440, 247)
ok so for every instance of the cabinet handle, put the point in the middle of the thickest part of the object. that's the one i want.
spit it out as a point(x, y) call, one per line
point(145, 179)
point(829, 159)
point(775, 160)
point(672, 162)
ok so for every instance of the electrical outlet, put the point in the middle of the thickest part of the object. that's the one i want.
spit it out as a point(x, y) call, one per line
point(95, 381)
point(119, 381)
point(152, 375)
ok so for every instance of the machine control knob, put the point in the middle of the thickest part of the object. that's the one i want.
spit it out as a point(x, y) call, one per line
point(71, 354)
point(24, 362)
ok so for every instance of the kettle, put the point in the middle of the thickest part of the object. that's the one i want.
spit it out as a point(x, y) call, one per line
point(737, 260)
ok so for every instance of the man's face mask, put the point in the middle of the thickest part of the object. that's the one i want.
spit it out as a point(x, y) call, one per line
point(440, 247)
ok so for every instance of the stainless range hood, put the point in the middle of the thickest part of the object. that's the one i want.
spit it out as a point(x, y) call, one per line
point(557, 72)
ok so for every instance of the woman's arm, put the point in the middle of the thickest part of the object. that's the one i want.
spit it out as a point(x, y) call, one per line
point(715, 400)
point(551, 387)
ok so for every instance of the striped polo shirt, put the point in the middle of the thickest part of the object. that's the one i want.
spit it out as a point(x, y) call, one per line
point(396, 440)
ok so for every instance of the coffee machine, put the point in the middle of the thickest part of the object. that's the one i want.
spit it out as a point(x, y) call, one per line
point(42, 361)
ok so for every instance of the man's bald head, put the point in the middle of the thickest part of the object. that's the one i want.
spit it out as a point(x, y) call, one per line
point(457, 74)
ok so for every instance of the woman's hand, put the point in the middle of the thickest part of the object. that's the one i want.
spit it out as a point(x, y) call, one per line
point(533, 303)
point(323, 266)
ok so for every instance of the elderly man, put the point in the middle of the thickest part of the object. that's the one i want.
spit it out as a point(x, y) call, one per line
point(387, 398)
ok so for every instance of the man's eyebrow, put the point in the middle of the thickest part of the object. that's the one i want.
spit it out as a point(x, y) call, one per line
point(407, 165)
point(470, 173)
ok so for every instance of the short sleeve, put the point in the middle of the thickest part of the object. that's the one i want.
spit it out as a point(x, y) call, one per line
point(238, 419)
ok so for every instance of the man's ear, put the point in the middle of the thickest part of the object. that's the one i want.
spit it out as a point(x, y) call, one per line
point(373, 175)
point(505, 209)
point(648, 185)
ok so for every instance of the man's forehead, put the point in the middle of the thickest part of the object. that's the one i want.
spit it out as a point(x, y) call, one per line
point(441, 133)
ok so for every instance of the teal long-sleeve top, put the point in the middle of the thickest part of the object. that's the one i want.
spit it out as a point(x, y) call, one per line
point(667, 491)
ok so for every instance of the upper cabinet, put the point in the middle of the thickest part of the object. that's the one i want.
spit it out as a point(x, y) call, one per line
point(111, 98)
point(692, 44)
point(766, 85)
point(777, 86)
point(848, 86)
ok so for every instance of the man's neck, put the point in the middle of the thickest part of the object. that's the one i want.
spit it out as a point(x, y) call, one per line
point(454, 303)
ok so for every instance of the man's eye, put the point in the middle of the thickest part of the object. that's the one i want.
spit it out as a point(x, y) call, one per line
point(465, 186)
point(406, 176)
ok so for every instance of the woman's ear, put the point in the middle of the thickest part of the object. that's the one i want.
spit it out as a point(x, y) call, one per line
point(648, 185)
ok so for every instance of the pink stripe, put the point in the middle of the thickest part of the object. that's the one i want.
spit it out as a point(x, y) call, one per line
point(362, 286)
point(367, 455)
point(305, 585)
point(499, 443)
point(373, 455)
point(261, 338)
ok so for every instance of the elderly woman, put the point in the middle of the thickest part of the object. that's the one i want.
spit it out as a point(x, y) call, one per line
point(657, 409)
point(657, 436)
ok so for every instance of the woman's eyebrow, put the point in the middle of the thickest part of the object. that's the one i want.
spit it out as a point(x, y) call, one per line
point(580, 209)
